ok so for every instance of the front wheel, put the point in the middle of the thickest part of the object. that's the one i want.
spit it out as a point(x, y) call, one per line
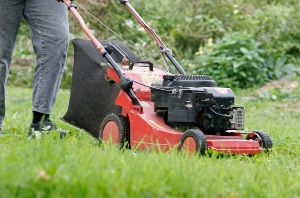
point(193, 140)
point(264, 139)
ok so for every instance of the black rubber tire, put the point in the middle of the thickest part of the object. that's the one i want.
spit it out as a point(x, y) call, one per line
point(199, 138)
point(127, 131)
point(123, 126)
point(264, 139)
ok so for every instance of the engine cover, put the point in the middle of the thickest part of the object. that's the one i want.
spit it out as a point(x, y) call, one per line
point(195, 100)
point(189, 81)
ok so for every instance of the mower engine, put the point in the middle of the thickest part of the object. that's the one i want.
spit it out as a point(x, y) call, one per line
point(195, 100)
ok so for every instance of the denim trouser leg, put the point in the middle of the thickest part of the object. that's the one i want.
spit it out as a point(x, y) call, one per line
point(48, 24)
point(49, 29)
point(11, 12)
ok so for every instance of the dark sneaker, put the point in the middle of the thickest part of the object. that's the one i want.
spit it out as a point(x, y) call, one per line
point(36, 130)
point(45, 127)
point(48, 126)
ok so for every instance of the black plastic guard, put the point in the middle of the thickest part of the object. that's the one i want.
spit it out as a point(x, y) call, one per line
point(92, 96)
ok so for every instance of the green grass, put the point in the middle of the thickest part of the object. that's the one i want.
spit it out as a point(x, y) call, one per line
point(78, 167)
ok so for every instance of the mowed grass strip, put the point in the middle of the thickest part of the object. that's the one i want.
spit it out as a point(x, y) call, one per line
point(78, 166)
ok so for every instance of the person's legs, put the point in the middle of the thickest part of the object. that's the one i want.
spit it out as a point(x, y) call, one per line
point(11, 12)
point(49, 29)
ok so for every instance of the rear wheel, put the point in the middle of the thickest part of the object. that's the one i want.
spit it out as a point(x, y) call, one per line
point(264, 139)
point(193, 140)
point(115, 128)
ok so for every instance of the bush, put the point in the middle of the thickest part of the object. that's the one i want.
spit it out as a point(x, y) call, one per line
point(238, 60)
point(278, 29)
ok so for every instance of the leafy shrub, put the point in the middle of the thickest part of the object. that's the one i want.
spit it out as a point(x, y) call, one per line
point(238, 60)
point(277, 28)
point(195, 32)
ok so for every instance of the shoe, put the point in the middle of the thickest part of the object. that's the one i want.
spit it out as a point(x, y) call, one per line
point(1, 132)
point(36, 130)
point(48, 126)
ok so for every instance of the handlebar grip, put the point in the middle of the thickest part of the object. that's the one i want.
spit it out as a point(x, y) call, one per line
point(124, 1)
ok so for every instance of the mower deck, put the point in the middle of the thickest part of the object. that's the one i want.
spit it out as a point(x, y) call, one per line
point(232, 145)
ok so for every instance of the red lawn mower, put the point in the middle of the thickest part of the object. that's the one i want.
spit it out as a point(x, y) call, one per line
point(116, 96)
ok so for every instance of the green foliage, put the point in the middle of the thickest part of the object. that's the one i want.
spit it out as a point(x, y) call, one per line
point(195, 32)
point(277, 27)
point(234, 61)
point(238, 60)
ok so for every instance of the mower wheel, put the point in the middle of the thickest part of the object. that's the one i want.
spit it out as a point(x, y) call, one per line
point(264, 139)
point(115, 128)
point(193, 140)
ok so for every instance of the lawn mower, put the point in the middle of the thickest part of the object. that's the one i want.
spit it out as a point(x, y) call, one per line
point(117, 96)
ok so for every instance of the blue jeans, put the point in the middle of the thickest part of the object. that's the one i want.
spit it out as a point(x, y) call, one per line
point(49, 29)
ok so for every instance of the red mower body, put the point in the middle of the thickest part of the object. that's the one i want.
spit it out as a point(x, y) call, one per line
point(149, 130)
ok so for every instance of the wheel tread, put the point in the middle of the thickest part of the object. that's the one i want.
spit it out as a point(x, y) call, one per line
point(266, 140)
point(199, 138)
point(123, 126)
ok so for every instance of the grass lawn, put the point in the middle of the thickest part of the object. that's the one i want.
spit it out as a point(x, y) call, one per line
point(78, 167)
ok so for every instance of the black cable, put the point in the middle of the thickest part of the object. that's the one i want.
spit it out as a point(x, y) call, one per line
point(166, 90)
point(219, 114)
